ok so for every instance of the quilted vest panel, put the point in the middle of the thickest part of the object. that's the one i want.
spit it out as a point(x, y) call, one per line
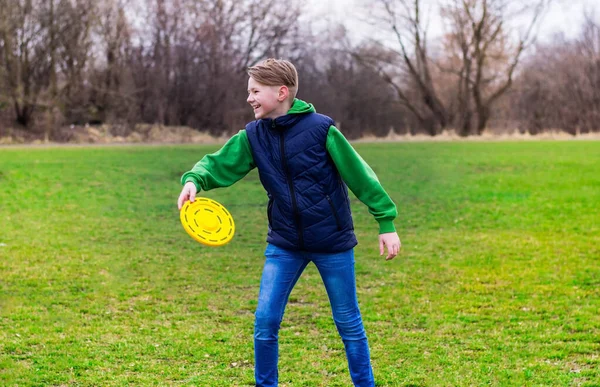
point(309, 207)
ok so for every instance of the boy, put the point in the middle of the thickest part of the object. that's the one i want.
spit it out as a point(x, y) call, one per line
point(304, 163)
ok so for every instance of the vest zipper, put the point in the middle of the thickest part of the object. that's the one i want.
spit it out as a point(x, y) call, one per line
point(288, 179)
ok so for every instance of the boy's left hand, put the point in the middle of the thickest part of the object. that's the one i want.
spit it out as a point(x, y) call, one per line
point(392, 241)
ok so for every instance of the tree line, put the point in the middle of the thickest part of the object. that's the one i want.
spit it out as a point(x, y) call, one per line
point(183, 63)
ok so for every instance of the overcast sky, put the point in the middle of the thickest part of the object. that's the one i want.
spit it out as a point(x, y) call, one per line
point(564, 16)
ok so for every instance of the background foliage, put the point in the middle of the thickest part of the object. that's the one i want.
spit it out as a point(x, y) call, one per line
point(69, 63)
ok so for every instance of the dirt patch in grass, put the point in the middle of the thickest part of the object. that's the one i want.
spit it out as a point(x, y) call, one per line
point(486, 136)
point(106, 134)
point(159, 134)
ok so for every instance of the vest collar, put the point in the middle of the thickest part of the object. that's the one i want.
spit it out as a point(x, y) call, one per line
point(282, 122)
point(299, 108)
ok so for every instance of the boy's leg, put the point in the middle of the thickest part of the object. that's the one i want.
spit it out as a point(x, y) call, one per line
point(337, 272)
point(280, 273)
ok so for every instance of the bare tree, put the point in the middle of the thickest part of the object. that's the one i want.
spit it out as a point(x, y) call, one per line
point(38, 41)
point(25, 55)
point(354, 95)
point(488, 53)
point(559, 85)
point(408, 67)
point(266, 28)
point(588, 48)
point(74, 54)
point(111, 94)
point(480, 52)
point(66, 24)
point(228, 36)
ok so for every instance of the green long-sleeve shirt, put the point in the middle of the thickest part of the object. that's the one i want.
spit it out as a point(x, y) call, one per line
point(234, 160)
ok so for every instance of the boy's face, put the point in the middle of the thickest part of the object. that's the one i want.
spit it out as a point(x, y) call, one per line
point(266, 101)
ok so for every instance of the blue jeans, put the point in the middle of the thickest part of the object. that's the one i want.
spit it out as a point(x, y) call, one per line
point(280, 273)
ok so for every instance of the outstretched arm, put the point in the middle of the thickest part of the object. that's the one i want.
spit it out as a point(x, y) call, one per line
point(220, 169)
point(362, 181)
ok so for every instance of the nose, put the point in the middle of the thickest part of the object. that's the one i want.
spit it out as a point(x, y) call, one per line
point(250, 98)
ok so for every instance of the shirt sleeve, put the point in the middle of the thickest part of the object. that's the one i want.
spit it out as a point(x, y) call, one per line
point(223, 168)
point(361, 180)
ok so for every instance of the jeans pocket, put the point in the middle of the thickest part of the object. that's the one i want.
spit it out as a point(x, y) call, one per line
point(270, 249)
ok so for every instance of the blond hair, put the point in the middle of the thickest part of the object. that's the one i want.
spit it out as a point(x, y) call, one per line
point(276, 72)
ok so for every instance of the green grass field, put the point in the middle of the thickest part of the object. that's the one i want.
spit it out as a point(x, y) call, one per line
point(497, 284)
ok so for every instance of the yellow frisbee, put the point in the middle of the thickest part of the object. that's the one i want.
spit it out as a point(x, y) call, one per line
point(207, 221)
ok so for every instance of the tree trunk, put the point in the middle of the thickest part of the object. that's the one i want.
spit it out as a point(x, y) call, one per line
point(23, 115)
point(483, 116)
point(50, 123)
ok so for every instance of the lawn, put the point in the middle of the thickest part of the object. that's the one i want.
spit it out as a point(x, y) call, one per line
point(498, 282)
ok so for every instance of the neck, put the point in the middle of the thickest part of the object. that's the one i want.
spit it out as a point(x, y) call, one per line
point(282, 110)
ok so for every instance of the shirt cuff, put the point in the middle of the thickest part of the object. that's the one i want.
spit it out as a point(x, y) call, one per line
point(386, 226)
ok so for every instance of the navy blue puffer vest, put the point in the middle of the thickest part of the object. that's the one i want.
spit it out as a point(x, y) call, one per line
point(308, 206)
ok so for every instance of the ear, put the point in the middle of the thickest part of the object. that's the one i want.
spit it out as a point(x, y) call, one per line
point(283, 93)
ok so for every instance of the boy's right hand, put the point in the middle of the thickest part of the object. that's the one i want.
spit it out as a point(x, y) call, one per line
point(188, 192)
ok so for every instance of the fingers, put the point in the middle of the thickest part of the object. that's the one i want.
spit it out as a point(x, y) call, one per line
point(393, 250)
point(380, 246)
point(391, 253)
point(190, 189)
point(185, 194)
point(181, 200)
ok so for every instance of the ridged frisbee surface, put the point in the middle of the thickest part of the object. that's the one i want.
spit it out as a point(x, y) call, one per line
point(207, 221)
